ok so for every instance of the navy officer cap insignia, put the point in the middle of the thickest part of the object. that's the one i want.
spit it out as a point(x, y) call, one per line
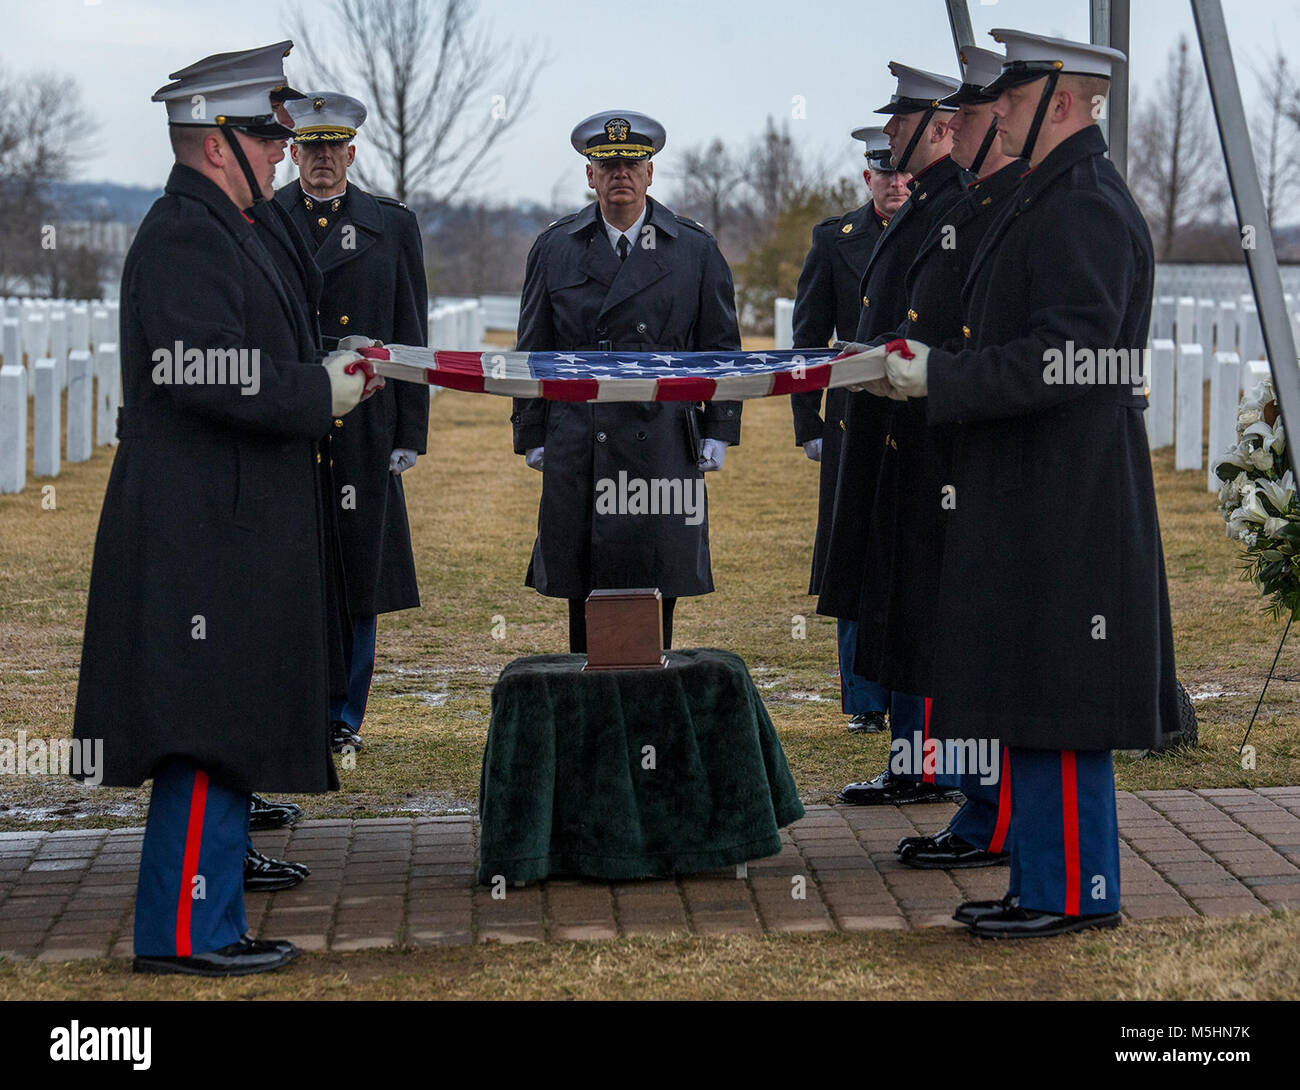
point(917, 90)
point(235, 89)
point(325, 115)
point(979, 68)
point(877, 147)
point(1030, 57)
point(618, 134)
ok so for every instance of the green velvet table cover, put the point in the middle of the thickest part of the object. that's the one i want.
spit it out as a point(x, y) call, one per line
point(569, 787)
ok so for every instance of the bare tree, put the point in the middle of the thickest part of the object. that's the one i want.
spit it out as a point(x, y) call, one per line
point(44, 133)
point(1175, 168)
point(440, 92)
point(1276, 128)
point(707, 185)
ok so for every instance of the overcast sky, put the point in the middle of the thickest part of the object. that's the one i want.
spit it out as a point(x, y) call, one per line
point(703, 68)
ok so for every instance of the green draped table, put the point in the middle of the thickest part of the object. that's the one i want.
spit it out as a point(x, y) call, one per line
point(630, 773)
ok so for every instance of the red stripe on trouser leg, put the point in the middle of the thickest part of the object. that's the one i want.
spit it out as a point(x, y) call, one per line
point(926, 777)
point(1070, 816)
point(1004, 806)
point(190, 867)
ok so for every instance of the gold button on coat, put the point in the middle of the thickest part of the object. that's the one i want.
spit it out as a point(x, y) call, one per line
point(865, 301)
point(343, 320)
point(338, 423)
point(322, 222)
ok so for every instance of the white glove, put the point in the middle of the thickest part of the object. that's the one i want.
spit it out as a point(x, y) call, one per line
point(535, 458)
point(401, 460)
point(348, 391)
point(813, 448)
point(880, 387)
point(712, 451)
point(907, 367)
point(849, 348)
point(352, 343)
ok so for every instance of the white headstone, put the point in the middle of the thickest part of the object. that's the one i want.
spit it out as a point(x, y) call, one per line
point(1185, 321)
point(1160, 409)
point(45, 420)
point(1190, 413)
point(1163, 324)
point(784, 325)
point(1253, 373)
point(1252, 336)
point(102, 329)
point(36, 339)
point(81, 405)
point(58, 320)
point(11, 343)
point(1225, 388)
point(107, 377)
point(79, 329)
point(1226, 326)
point(13, 427)
point(1206, 312)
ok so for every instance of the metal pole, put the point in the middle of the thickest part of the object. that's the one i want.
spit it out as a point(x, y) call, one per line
point(1256, 234)
point(1109, 23)
point(959, 21)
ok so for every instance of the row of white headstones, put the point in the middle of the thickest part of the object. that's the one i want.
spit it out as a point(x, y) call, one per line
point(48, 346)
point(1193, 341)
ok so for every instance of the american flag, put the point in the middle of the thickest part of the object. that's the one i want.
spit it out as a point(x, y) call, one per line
point(628, 376)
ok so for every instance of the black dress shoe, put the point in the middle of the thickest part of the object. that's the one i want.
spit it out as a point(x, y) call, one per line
point(890, 790)
point(867, 723)
point(264, 814)
point(262, 874)
point(970, 911)
point(944, 850)
point(343, 738)
point(238, 959)
point(1024, 923)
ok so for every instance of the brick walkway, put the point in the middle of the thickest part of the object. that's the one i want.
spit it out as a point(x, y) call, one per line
point(402, 881)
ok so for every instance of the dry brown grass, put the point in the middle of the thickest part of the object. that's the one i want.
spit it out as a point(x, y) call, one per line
point(1256, 959)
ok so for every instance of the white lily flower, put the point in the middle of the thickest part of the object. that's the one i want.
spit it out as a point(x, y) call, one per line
point(1273, 527)
point(1278, 493)
point(1262, 459)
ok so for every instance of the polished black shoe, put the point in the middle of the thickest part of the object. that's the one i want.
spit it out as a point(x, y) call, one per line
point(262, 874)
point(238, 959)
point(970, 911)
point(1024, 923)
point(344, 738)
point(265, 814)
point(890, 790)
point(945, 850)
point(867, 723)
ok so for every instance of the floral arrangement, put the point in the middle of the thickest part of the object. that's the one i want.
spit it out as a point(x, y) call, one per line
point(1258, 502)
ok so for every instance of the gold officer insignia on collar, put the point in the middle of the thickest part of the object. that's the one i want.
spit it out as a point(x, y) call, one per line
point(307, 202)
point(335, 206)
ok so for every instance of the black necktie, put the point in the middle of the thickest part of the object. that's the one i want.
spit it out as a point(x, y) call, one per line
point(622, 247)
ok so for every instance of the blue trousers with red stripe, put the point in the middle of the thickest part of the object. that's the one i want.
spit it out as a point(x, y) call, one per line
point(359, 658)
point(909, 727)
point(1064, 836)
point(985, 818)
point(190, 896)
point(858, 696)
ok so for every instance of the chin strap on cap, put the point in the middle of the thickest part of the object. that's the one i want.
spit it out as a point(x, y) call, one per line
point(916, 139)
point(982, 154)
point(254, 186)
point(1049, 89)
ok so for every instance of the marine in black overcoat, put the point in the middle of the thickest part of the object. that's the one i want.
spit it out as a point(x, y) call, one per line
point(826, 305)
point(677, 296)
point(905, 529)
point(1053, 620)
point(205, 628)
point(883, 309)
point(371, 256)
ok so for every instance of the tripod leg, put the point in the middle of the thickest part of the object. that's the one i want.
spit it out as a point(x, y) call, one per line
point(1266, 681)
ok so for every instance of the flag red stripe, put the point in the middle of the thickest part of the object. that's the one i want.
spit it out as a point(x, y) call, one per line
point(570, 389)
point(686, 388)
